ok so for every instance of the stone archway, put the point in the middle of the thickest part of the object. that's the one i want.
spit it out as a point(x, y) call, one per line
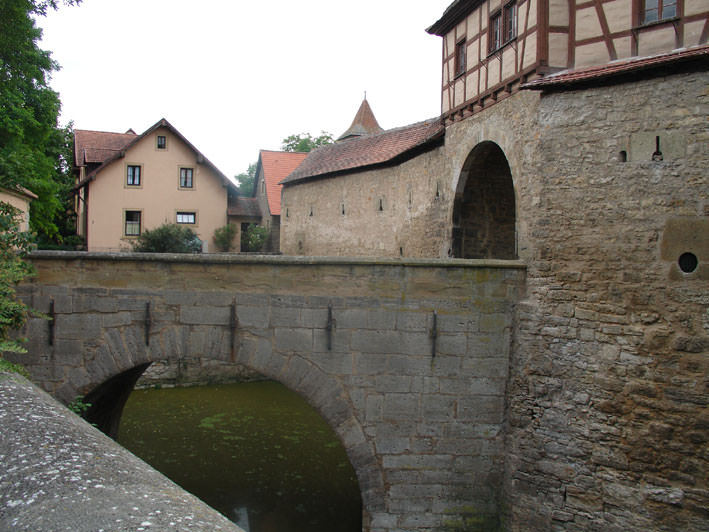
point(484, 215)
point(121, 368)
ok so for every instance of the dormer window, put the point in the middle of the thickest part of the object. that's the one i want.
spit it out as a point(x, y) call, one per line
point(658, 10)
point(503, 26)
point(460, 58)
point(162, 142)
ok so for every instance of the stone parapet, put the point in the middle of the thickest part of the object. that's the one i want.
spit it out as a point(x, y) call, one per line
point(61, 474)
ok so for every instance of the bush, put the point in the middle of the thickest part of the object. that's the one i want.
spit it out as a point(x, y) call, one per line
point(224, 237)
point(14, 244)
point(168, 238)
point(254, 238)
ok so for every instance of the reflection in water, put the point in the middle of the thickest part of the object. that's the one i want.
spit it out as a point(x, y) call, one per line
point(256, 452)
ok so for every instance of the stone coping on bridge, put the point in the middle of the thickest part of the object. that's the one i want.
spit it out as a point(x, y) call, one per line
point(58, 473)
point(236, 258)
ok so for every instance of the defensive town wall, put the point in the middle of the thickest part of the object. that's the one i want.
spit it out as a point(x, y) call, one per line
point(607, 422)
point(406, 360)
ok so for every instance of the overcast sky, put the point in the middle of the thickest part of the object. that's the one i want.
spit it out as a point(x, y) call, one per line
point(237, 76)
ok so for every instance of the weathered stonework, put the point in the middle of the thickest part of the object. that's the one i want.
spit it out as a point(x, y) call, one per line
point(607, 401)
point(420, 414)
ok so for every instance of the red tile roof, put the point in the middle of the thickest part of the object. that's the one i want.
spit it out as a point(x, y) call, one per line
point(276, 165)
point(114, 152)
point(363, 152)
point(244, 207)
point(616, 68)
point(98, 146)
point(364, 123)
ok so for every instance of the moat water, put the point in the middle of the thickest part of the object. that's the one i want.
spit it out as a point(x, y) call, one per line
point(256, 452)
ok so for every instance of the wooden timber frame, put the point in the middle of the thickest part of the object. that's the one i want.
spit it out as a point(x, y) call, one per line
point(548, 36)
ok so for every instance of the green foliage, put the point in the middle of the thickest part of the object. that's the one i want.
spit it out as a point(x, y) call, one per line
point(168, 238)
point(79, 406)
point(224, 237)
point(254, 238)
point(33, 150)
point(305, 142)
point(9, 367)
point(247, 180)
point(13, 245)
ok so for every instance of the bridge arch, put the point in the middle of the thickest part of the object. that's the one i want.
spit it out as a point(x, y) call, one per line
point(126, 361)
point(484, 210)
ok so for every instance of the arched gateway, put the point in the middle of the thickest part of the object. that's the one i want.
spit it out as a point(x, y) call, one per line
point(484, 207)
point(406, 360)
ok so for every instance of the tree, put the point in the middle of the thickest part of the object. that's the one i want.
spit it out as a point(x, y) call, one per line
point(254, 237)
point(224, 237)
point(247, 180)
point(305, 142)
point(14, 244)
point(168, 238)
point(32, 146)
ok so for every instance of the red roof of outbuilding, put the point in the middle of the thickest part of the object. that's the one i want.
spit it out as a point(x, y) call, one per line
point(616, 68)
point(98, 146)
point(276, 166)
point(367, 151)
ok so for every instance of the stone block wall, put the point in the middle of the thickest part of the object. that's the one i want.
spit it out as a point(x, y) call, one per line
point(399, 211)
point(608, 419)
point(411, 374)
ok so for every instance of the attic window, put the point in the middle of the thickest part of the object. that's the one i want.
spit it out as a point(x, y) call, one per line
point(162, 142)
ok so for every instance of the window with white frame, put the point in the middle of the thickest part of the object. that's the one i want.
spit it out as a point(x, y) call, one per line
point(184, 217)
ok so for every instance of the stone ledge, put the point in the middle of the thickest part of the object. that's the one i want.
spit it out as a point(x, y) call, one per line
point(232, 258)
point(61, 474)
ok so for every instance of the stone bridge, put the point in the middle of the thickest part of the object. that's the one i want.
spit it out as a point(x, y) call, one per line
point(406, 359)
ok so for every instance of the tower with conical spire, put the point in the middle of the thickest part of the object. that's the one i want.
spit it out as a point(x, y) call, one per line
point(364, 123)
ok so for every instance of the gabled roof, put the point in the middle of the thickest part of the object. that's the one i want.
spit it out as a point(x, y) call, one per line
point(388, 147)
point(115, 153)
point(364, 123)
point(275, 166)
point(98, 146)
point(614, 69)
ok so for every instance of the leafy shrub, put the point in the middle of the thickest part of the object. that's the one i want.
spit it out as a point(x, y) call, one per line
point(254, 238)
point(13, 245)
point(224, 237)
point(168, 238)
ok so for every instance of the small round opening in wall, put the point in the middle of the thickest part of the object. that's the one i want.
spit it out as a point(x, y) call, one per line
point(688, 262)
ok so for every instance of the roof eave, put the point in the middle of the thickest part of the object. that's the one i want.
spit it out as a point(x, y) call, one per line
point(451, 16)
point(429, 143)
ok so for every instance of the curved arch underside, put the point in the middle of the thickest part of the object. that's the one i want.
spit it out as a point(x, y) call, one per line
point(484, 224)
